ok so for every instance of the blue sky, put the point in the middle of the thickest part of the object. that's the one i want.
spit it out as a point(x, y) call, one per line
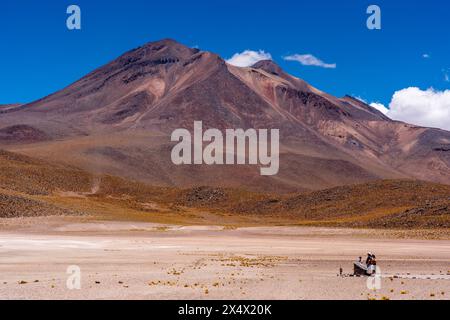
point(39, 55)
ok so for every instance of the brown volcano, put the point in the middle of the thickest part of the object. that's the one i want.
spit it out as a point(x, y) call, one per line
point(118, 120)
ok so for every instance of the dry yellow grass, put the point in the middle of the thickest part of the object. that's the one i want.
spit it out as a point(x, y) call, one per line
point(59, 190)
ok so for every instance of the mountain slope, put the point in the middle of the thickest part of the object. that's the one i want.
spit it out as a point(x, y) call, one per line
point(118, 120)
point(31, 188)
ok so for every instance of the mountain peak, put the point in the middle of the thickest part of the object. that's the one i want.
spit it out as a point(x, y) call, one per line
point(147, 93)
point(164, 49)
point(269, 66)
point(165, 42)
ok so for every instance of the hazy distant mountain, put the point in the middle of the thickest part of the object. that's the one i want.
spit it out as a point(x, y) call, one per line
point(118, 120)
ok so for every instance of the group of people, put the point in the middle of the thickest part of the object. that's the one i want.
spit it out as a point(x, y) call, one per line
point(371, 259)
point(371, 263)
point(369, 268)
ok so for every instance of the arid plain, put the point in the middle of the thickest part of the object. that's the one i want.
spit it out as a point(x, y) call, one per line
point(123, 260)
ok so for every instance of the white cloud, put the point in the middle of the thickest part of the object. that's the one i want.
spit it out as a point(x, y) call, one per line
point(426, 55)
point(380, 107)
point(429, 108)
point(248, 58)
point(309, 60)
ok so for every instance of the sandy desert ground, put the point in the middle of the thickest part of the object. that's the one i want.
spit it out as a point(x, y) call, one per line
point(123, 260)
